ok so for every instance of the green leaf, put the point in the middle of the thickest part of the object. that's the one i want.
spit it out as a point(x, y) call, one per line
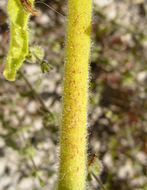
point(41, 182)
point(11, 143)
point(24, 128)
point(45, 66)
point(95, 167)
point(18, 45)
point(108, 113)
point(36, 172)
point(36, 53)
point(127, 77)
point(29, 151)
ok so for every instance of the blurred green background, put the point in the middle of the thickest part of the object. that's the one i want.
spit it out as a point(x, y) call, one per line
point(30, 107)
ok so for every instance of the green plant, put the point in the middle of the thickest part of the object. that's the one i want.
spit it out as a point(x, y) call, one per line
point(18, 46)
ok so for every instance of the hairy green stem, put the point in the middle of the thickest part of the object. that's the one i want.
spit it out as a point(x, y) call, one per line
point(72, 170)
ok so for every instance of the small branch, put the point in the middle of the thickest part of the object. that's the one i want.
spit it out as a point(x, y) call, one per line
point(99, 181)
point(51, 8)
point(31, 158)
point(34, 92)
point(36, 168)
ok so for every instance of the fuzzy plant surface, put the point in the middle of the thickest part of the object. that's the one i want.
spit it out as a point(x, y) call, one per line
point(18, 45)
point(72, 169)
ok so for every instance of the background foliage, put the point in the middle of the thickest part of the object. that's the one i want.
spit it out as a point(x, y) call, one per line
point(30, 107)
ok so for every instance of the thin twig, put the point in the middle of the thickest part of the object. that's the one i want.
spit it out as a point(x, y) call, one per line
point(51, 8)
point(34, 92)
point(36, 168)
point(31, 159)
point(99, 181)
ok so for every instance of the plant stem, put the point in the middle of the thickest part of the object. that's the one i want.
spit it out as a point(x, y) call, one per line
point(34, 92)
point(99, 182)
point(72, 170)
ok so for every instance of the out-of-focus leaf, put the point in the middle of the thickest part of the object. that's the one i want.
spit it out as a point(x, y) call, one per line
point(95, 167)
point(45, 66)
point(29, 151)
point(127, 77)
point(35, 53)
point(24, 128)
point(108, 113)
point(11, 143)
